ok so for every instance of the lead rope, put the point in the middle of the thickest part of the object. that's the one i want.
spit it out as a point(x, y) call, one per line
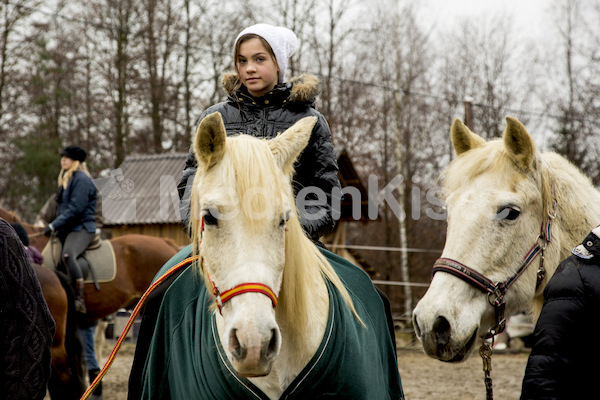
point(485, 351)
point(130, 322)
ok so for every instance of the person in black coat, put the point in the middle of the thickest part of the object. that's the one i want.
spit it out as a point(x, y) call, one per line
point(564, 354)
point(26, 326)
point(261, 103)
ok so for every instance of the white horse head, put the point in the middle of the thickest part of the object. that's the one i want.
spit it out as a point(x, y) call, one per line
point(250, 241)
point(500, 196)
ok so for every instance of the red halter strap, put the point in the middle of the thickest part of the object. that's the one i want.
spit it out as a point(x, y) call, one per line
point(253, 287)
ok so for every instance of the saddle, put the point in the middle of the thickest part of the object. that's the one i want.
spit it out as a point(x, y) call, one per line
point(100, 265)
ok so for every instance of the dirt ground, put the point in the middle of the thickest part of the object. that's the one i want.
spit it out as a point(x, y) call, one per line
point(422, 377)
point(426, 378)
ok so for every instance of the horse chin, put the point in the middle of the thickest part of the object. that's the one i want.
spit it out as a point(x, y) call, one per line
point(253, 372)
point(462, 353)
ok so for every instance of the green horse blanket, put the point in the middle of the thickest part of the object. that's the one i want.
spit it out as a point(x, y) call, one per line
point(185, 359)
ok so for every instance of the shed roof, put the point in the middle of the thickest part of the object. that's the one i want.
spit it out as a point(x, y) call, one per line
point(143, 190)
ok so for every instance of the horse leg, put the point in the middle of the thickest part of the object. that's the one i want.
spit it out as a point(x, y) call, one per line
point(57, 301)
point(100, 338)
point(66, 380)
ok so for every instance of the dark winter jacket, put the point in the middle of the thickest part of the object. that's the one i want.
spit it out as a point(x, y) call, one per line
point(563, 360)
point(266, 117)
point(76, 205)
point(26, 326)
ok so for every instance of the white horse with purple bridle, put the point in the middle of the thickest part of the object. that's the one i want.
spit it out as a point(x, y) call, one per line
point(513, 214)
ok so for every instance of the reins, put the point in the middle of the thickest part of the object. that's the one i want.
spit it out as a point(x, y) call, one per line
point(496, 291)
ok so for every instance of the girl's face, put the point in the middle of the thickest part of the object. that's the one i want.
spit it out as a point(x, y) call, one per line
point(66, 163)
point(256, 67)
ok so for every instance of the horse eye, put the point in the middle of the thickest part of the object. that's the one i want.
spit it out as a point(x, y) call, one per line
point(509, 213)
point(210, 217)
point(284, 218)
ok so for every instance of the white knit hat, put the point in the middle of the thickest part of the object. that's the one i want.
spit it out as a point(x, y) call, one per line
point(282, 40)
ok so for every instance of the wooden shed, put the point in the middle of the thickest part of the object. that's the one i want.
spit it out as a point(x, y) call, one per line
point(141, 197)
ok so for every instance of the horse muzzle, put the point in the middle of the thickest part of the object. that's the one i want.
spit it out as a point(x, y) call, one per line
point(252, 353)
point(441, 342)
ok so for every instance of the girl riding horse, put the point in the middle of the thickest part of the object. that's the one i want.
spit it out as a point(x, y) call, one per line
point(75, 221)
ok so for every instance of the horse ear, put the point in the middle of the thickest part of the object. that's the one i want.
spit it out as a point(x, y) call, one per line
point(288, 146)
point(518, 143)
point(209, 145)
point(463, 139)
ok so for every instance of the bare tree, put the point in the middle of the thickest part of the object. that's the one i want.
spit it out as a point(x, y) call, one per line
point(159, 35)
point(49, 84)
point(576, 133)
point(14, 17)
point(480, 59)
point(299, 16)
point(114, 46)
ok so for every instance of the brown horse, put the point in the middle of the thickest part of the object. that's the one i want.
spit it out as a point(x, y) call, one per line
point(67, 377)
point(36, 235)
point(138, 258)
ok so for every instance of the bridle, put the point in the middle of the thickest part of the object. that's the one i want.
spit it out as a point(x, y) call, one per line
point(252, 287)
point(496, 291)
point(222, 297)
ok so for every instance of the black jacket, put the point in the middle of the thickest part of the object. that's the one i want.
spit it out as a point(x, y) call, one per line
point(267, 116)
point(76, 205)
point(26, 326)
point(563, 360)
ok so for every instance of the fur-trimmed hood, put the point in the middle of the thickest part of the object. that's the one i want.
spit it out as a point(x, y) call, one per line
point(304, 88)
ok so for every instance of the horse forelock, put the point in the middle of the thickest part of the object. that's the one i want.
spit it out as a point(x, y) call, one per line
point(256, 174)
point(490, 158)
point(247, 177)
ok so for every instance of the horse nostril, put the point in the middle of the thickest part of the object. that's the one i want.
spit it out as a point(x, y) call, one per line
point(273, 344)
point(441, 328)
point(416, 326)
point(238, 351)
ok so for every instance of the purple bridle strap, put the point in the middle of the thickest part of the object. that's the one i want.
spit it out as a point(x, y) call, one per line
point(479, 281)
